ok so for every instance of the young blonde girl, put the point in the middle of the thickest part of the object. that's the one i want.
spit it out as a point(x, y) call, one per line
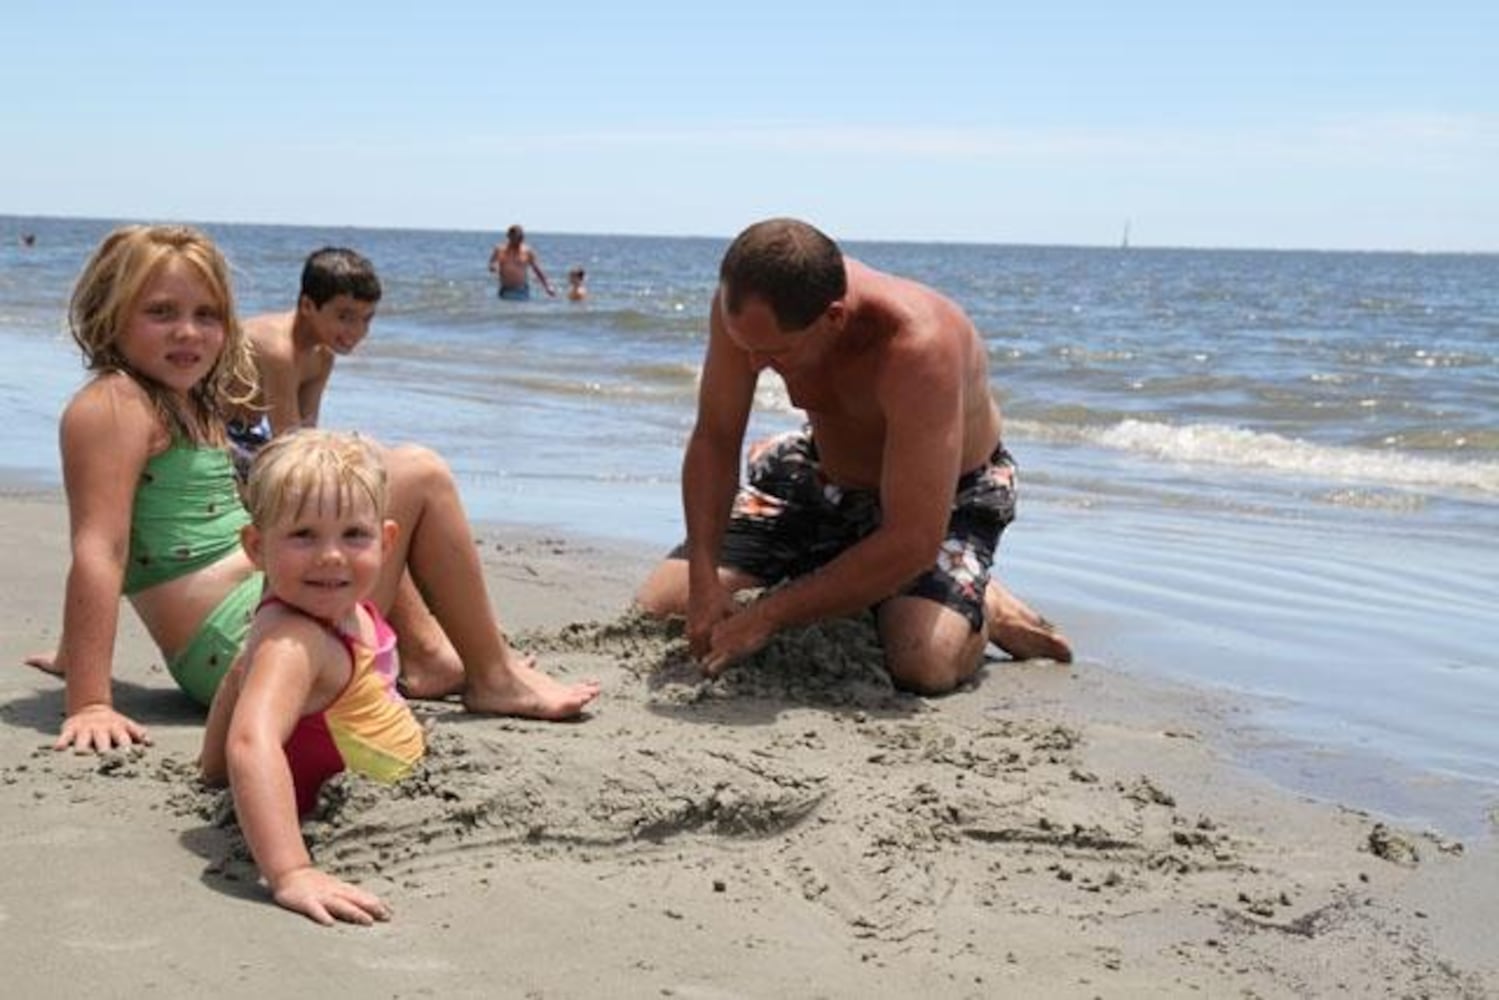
point(154, 513)
point(315, 690)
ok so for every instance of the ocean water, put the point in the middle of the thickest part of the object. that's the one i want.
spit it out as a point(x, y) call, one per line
point(1273, 474)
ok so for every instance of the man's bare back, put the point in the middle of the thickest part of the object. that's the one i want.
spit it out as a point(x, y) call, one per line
point(513, 264)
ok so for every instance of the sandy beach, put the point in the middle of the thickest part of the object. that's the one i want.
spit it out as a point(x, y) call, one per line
point(796, 828)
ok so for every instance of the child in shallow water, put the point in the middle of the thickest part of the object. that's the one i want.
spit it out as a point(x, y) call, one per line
point(315, 690)
point(576, 290)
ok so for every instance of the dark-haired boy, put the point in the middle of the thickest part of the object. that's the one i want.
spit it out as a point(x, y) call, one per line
point(294, 351)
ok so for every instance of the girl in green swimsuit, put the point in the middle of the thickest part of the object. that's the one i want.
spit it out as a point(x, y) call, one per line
point(155, 515)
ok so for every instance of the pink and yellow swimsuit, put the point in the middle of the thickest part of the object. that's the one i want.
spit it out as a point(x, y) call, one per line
point(368, 728)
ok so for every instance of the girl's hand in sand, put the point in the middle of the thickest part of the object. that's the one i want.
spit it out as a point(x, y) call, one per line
point(321, 897)
point(98, 728)
point(736, 637)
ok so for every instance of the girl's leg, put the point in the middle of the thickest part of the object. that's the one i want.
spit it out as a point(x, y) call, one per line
point(430, 666)
point(435, 542)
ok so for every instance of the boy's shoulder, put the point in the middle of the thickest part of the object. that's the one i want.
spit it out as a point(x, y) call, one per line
point(268, 325)
point(271, 335)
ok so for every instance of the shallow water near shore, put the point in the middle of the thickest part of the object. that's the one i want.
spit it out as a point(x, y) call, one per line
point(1275, 474)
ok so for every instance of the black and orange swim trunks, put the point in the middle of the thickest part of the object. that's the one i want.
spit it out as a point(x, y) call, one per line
point(788, 520)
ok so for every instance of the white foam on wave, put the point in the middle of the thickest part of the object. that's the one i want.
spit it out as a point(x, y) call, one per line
point(771, 394)
point(1216, 444)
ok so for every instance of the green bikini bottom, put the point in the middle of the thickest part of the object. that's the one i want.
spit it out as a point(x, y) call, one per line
point(210, 653)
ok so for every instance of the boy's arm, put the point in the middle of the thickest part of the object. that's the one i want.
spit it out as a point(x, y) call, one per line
point(494, 259)
point(106, 438)
point(310, 395)
point(278, 387)
point(279, 677)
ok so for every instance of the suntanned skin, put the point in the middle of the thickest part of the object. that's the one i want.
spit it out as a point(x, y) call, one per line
point(512, 259)
point(109, 431)
point(293, 666)
point(294, 356)
point(894, 381)
point(173, 332)
point(321, 556)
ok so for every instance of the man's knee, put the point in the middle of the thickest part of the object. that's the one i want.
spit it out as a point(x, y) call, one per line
point(929, 648)
point(664, 592)
point(929, 674)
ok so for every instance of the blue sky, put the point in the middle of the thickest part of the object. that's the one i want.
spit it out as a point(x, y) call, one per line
point(1265, 124)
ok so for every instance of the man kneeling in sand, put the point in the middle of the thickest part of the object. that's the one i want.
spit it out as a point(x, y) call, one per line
point(895, 495)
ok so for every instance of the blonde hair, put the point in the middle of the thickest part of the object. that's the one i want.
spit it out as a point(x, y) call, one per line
point(125, 262)
point(314, 466)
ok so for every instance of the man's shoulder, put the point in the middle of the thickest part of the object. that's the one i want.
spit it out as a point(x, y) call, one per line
point(909, 336)
point(909, 306)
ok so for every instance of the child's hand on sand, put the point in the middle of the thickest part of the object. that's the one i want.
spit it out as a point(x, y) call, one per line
point(99, 728)
point(325, 899)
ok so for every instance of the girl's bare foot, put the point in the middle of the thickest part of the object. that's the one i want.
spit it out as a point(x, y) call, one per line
point(430, 667)
point(45, 662)
point(430, 670)
point(1018, 630)
point(527, 692)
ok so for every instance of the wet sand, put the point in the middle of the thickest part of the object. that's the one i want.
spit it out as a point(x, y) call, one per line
point(795, 828)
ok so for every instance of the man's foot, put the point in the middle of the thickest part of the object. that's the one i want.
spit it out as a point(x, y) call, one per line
point(45, 662)
point(1018, 630)
point(527, 692)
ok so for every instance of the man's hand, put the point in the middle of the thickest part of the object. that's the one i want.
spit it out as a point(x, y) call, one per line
point(744, 632)
point(708, 603)
point(99, 728)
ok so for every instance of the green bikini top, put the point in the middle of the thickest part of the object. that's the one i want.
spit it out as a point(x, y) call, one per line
point(187, 515)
